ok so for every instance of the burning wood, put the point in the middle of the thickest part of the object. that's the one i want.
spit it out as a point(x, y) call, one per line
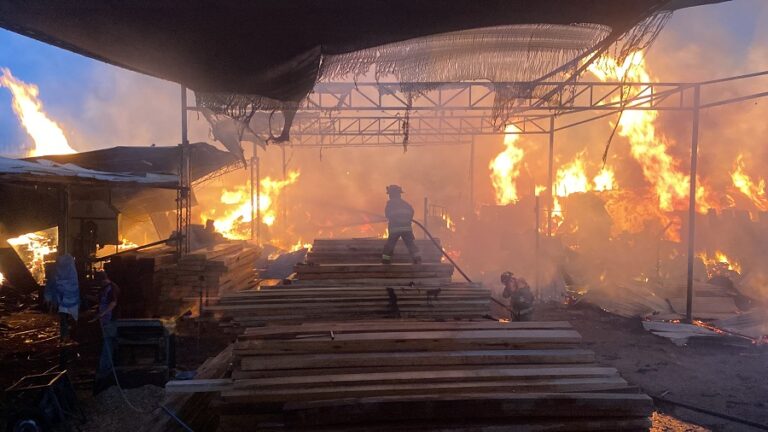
point(35, 250)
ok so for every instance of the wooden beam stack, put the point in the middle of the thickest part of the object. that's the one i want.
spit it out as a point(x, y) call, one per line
point(302, 303)
point(381, 375)
point(367, 251)
point(413, 272)
point(223, 268)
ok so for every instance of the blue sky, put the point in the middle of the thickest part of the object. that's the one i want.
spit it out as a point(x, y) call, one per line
point(85, 95)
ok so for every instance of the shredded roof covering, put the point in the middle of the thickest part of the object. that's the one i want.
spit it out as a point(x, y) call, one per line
point(47, 171)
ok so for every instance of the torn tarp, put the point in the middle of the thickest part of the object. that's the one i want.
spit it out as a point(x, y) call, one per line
point(46, 171)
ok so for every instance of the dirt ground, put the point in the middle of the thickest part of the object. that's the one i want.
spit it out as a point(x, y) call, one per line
point(722, 378)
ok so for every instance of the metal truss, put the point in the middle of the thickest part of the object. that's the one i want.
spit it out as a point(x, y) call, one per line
point(422, 128)
point(481, 96)
point(391, 114)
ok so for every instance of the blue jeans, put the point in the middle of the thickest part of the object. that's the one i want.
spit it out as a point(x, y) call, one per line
point(109, 342)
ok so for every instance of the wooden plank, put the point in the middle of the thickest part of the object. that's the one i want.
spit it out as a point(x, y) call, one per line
point(466, 407)
point(414, 342)
point(290, 304)
point(199, 385)
point(435, 376)
point(564, 385)
point(410, 359)
point(379, 282)
point(431, 313)
point(347, 275)
point(398, 325)
point(373, 268)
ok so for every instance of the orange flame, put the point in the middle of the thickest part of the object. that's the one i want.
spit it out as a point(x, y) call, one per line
point(605, 180)
point(234, 222)
point(48, 136)
point(572, 178)
point(505, 168)
point(649, 148)
point(719, 263)
point(755, 191)
point(34, 249)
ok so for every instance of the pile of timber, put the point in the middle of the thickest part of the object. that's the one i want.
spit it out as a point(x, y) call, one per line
point(300, 302)
point(420, 376)
point(366, 251)
point(139, 275)
point(390, 274)
point(209, 272)
point(355, 291)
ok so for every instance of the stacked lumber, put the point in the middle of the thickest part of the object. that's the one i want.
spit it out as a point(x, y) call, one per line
point(207, 272)
point(302, 302)
point(385, 375)
point(348, 290)
point(305, 272)
point(139, 275)
point(367, 251)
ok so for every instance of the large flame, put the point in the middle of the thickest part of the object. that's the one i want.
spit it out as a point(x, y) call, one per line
point(571, 178)
point(649, 148)
point(754, 190)
point(605, 180)
point(48, 136)
point(233, 220)
point(505, 168)
point(35, 249)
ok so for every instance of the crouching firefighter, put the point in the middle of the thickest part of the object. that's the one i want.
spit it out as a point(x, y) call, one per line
point(520, 296)
point(399, 214)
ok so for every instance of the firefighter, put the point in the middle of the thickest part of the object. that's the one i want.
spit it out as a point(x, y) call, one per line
point(520, 296)
point(399, 214)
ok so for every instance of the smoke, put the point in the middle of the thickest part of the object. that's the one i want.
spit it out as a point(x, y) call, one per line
point(340, 190)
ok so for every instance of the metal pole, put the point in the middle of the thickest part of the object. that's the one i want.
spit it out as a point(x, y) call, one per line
point(426, 213)
point(253, 207)
point(550, 169)
point(692, 201)
point(258, 202)
point(536, 257)
point(284, 199)
point(472, 175)
point(185, 174)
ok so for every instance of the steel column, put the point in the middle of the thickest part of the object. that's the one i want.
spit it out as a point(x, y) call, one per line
point(550, 174)
point(692, 202)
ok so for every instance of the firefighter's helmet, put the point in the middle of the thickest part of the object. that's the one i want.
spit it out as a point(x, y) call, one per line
point(394, 189)
point(506, 277)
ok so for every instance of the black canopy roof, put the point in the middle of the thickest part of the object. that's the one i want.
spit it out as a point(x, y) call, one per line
point(205, 159)
point(273, 48)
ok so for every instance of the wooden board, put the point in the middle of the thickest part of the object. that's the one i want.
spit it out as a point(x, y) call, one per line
point(463, 407)
point(397, 341)
point(411, 359)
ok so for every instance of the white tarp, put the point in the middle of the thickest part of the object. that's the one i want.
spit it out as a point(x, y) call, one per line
point(28, 170)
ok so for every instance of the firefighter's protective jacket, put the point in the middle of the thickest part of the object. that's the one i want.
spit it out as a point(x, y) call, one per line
point(399, 214)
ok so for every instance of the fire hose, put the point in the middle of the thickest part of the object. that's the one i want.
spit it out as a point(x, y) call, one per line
point(445, 254)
